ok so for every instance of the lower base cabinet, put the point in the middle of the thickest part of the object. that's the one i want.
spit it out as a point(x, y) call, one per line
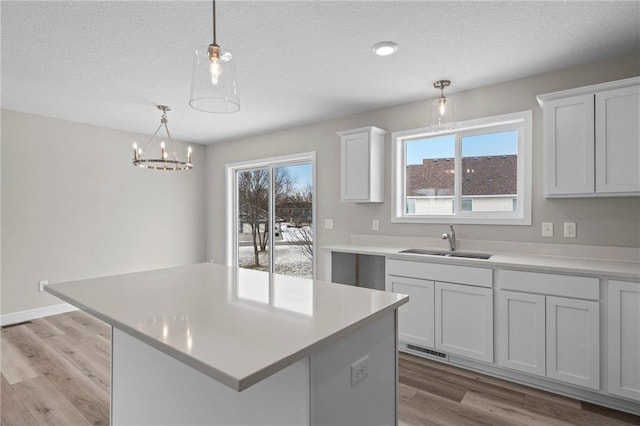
point(415, 319)
point(522, 333)
point(624, 339)
point(547, 324)
point(554, 337)
point(573, 341)
point(464, 320)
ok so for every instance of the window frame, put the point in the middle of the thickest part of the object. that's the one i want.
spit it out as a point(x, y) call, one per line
point(520, 121)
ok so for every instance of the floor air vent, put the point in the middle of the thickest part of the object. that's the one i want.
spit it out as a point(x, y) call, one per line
point(427, 351)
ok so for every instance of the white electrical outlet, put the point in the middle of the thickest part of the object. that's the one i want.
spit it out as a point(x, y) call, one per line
point(328, 224)
point(375, 225)
point(41, 285)
point(359, 370)
point(570, 229)
point(547, 229)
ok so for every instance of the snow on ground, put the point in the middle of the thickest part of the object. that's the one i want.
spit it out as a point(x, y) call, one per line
point(289, 260)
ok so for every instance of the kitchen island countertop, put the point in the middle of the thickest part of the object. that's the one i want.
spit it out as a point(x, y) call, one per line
point(237, 326)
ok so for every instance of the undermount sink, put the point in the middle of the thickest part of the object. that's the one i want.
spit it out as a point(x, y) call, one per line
point(467, 254)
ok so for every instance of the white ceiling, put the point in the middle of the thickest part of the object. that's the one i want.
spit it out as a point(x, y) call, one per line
point(109, 63)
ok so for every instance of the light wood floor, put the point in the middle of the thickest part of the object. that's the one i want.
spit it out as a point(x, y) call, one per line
point(55, 371)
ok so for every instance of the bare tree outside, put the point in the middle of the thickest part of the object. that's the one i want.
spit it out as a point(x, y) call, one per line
point(291, 228)
point(303, 236)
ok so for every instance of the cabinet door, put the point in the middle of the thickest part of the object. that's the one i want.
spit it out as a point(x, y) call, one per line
point(624, 339)
point(569, 141)
point(415, 319)
point(618, 140)
point(464, 320)
point(355, 167)
point(573, 341)
point(521, 318)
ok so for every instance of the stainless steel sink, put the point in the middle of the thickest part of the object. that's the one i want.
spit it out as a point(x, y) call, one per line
point(465, 254)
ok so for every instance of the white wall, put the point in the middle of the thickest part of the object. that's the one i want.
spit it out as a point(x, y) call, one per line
point(608, 222)
point(73, 206)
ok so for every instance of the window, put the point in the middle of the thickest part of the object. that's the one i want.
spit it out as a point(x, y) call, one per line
point(479, 172)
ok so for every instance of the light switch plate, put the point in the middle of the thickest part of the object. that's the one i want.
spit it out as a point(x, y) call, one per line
point(547, 229)
point(41, 285)
point(328, 224)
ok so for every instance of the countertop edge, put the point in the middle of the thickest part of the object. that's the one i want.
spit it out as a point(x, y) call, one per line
point(291, 359)
point(393, 252)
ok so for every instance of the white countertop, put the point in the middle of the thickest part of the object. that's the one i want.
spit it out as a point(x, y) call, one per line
point(545, 263)
point(231, 324)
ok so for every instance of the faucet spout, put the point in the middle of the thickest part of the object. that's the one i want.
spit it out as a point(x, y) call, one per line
point(451, 237)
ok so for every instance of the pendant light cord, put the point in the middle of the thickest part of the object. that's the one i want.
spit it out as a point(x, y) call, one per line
point(214, 21)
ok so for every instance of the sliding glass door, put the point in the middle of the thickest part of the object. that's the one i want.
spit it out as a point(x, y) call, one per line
point(273, 213)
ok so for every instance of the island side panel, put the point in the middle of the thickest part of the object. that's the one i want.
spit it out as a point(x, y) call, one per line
point(151, 388)
point(370, 401)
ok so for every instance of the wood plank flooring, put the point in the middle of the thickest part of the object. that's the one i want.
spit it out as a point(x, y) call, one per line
point(55, 371)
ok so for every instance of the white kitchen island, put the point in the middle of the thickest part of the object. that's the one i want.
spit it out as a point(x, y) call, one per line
point(210, 344)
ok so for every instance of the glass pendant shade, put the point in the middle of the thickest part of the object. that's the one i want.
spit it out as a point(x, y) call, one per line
point(213, 82)
point(442, 113)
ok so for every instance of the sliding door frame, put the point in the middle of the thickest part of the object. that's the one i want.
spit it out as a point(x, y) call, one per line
point(232, 208)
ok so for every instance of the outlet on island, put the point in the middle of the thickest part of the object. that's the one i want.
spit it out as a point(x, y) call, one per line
point(359, 370)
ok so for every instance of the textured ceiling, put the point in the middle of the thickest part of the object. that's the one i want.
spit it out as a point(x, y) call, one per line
point(109, 63)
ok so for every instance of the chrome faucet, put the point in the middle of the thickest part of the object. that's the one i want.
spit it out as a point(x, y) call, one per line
point(451, 236)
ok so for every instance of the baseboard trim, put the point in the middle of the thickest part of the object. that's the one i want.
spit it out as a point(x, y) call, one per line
point(31, 314)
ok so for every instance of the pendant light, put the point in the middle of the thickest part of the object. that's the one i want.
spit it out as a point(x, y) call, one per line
point(167, 158)
point(442, 108)
point(213, 81)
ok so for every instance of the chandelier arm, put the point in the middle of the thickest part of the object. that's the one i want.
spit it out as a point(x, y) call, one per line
point(171, 144)
point(151, 138)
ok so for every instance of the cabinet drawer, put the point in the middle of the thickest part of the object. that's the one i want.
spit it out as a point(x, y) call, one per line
point(551, 284)
point(482, 277)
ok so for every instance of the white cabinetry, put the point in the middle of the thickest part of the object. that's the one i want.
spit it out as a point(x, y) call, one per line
point(624, 339)
point(573, 341)
point(464, 320)
point(547, 335)
point(592, 140)
point(415, 319)
point(618, 140)
point(522, 333)
point(362, 165)
point(455, 317)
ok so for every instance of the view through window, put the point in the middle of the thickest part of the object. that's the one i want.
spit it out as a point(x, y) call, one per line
point(489, 171)
point(275, 219)
point(475, 173)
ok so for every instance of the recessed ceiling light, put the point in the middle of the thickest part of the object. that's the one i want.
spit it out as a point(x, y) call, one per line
point(384, 48)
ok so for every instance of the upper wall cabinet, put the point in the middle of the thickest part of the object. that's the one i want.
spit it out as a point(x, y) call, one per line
point(362, 154)
point(592, 140)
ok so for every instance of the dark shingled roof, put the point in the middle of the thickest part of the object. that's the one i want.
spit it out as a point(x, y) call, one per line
point(490, 175)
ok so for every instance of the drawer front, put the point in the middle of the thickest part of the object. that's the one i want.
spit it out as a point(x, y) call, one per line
point(482, 277)
point(551, 284)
